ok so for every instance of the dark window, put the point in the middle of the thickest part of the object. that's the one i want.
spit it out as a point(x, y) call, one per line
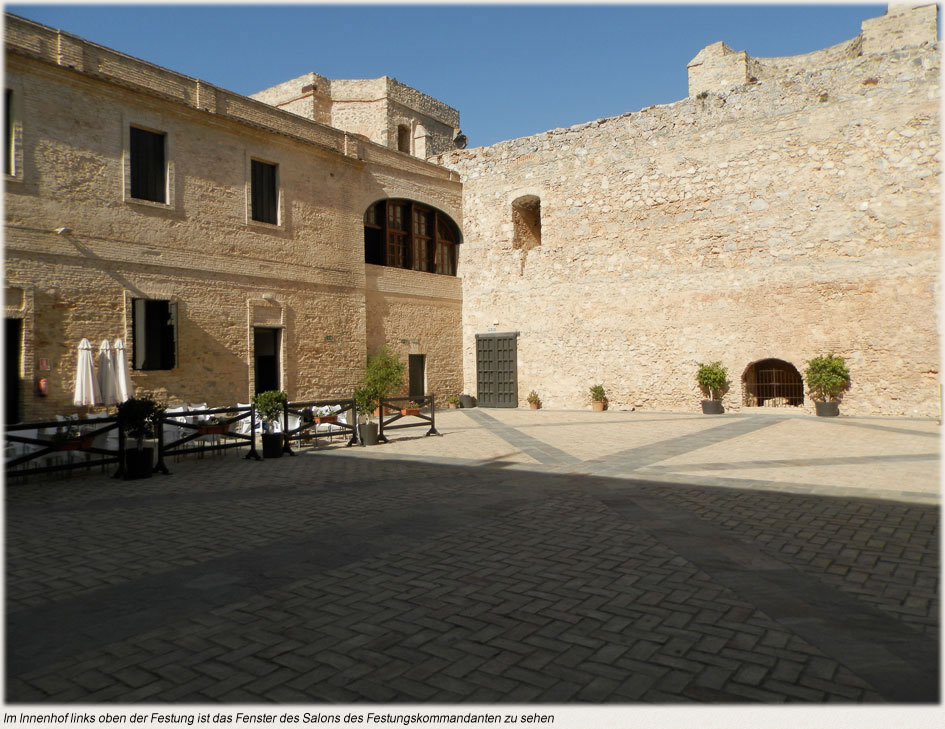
point(8, 130)
point(148, 172)
point(406, 234)
point(154, 323)
point(264, 193)
point(403, 138)
point(397, 235)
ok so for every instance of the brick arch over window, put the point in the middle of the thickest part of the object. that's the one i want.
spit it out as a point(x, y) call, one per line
point(408, 234)
point(772, 383)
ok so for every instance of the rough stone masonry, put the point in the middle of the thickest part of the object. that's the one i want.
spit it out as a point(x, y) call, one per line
point(789, 207)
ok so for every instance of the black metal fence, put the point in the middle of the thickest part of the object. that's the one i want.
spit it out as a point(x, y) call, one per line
point(65, 445)
point(407, 407)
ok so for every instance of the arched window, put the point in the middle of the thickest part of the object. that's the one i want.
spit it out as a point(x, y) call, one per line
point(772, 383)
point(526, 222)
point(407, 234)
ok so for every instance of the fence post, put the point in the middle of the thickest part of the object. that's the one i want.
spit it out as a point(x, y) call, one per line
point(252, 434)
point(432, 430)
point(160, 466)
point(353, 410)
point(120, 473)
point(285, 428)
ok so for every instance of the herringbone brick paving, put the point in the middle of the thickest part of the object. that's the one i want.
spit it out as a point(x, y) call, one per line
point(348, 577)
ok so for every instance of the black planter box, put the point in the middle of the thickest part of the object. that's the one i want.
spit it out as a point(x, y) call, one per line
point(827, 409)
point(712, 407)
point(139, 463)
point(272, 445)
point(367, 432)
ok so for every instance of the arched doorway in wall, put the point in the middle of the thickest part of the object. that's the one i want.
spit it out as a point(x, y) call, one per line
point(772, 383)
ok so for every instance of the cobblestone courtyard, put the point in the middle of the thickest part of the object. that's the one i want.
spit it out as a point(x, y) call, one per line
point(524, 556)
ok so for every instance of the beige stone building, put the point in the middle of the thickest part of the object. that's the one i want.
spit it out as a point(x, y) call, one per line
point(788, 207)
point(222, 238)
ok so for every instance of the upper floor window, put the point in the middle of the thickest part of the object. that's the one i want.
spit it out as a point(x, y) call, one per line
point(154, 328)
point(265, 192)
point(8, 154)
point(148, 165)
point(406, 234)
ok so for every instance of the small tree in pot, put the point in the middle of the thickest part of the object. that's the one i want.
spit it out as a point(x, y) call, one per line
point(827, 376)
point(598, 397)
point(713, 379)
point(366, 402)
point(270, 405)
point(534, 402)
point(384, 373)
point(139, 418)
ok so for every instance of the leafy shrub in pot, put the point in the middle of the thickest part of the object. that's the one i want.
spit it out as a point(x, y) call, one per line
point(827, 377)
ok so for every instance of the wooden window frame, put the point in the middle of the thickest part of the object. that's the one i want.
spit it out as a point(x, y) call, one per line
point(264, 191)
point(407, 248)
point(145, 356)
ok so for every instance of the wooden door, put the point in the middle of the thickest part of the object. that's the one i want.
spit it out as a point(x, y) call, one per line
point(497, 370)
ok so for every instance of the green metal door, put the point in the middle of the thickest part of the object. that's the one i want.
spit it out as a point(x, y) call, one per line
point(497, 370)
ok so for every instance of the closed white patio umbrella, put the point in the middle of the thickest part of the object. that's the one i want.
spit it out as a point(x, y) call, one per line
point(86, 387)
point(123, 386)
point(106, 374)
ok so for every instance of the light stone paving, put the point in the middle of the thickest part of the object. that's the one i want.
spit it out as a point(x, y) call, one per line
point(889, 457)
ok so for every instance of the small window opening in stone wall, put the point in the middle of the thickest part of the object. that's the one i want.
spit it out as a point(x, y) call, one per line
point(403, 138)
point(526, 222)
point(772, 383)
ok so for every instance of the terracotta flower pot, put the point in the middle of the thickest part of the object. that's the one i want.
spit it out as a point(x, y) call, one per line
point(213, 429)
point(533, 405)
point(410, 411)
point(599, 404)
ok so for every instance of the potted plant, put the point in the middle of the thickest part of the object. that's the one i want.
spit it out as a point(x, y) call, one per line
point(384, 373)
point(598, 397)
point(324, 415)
point(213, 425)
point(411, 408)
point(713, 379)
point(71, 439)
point(452, 402)
point(139, 418)
point(270, 406)
point(533, 401)
point(365, 402)
point(827, 376)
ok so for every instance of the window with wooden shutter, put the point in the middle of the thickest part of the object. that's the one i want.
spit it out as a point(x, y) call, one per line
point(265, 195)
point(148, 168)
point(154, 329)
point(8, 155)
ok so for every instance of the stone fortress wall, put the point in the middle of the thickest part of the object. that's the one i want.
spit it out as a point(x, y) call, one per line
point(785, 209)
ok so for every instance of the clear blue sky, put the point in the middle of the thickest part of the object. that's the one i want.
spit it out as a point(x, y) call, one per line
point(510, 70)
